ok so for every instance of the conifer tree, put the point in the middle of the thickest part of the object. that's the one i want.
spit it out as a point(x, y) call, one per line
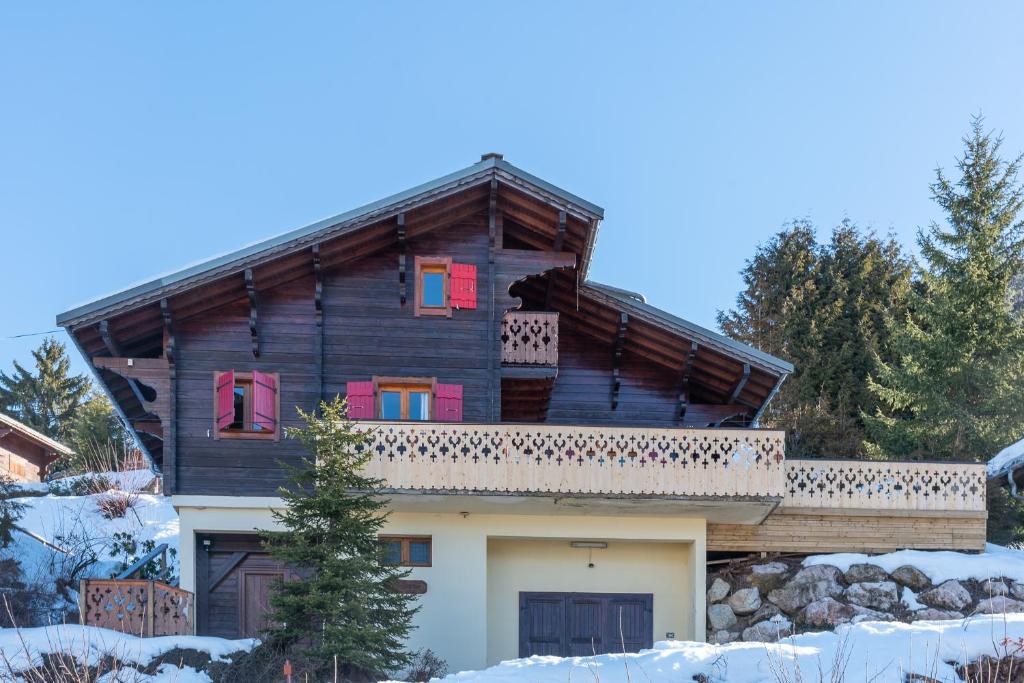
point(346, 603)
point(955, 389)
point(47, 400)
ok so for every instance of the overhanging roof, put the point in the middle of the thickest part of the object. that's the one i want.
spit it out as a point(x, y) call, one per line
point(32, 435)
point(491, 166)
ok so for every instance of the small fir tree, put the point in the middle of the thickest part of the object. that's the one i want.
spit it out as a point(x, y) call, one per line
point(47, 400)
point(10, 510)
point(346, 603)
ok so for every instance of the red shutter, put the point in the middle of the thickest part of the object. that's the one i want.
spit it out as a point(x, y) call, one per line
point(360, 400)
point(448, 403)
point(463, 285)
point(225, 400)
point(264, 401)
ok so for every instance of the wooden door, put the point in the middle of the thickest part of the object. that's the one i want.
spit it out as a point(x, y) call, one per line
point(582, 624)
point(255, 584)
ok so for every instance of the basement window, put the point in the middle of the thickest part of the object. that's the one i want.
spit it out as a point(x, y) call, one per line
point(406, 551)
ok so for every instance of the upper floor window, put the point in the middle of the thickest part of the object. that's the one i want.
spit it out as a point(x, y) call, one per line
point(407, 551)
point(404, 401)
point(246, 404)
point(404, 398)
point(442, 285)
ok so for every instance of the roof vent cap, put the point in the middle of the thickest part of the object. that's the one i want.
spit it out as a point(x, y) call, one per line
point(491, 155)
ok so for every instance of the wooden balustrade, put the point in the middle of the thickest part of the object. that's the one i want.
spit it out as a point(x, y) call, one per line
point(554, 459)
point(529, 338)
point(136, 606)
point(880, 485)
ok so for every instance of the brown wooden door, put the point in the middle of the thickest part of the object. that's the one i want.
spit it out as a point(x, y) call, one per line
point(581, 624)
point(255, 584)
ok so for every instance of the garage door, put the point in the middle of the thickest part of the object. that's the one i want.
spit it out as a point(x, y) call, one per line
point(233, 585)
point(580, 624)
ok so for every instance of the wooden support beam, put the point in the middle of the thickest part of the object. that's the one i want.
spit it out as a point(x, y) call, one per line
point(170, 430)
point(684, 391)
point(620, 340)
point(5, 431)
point(114, 349)
point(402, 291)
point(250, 290)
point(493, 338)
point(560, 235)
point(165, 313)
point(318, 306)
point(740, 384)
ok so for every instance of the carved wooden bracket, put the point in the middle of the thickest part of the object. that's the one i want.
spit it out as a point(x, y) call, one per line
point(155, 374)
point(620, 340)
point(740, 384)
point(250, 288)
point(402, 287)
point(169, 344)
point(684, 391)
point(318, 287)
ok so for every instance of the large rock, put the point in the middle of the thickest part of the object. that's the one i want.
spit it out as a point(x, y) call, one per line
point(818, 572)
point(912, 577)
point(994, 588)
point(1017, 590)
point(768, 576)
point(880, 595)
point(766, 611)
point(858, 573)
point(1000, 604)
point(810, 584)
point(719, 589)
point(932, 614)
point(745, 601)
point(769, 631)
point(826, 612)
point(720, 617)
point(722, 637)
point(948, 595)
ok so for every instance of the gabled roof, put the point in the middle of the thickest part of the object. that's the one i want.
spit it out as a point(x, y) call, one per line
point(490, 166)
point(636, 304)
point(40, 439)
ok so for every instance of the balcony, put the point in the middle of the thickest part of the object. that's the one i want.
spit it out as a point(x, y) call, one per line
point(726, 475)
point(529, 339)
point(735, 476)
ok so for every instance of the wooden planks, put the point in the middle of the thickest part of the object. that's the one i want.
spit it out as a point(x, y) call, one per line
point(529, 338)
point(792, 531)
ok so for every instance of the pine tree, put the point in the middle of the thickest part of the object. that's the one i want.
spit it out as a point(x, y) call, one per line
point(97, 437)
point(48, 400)
point(346, 605)
point(823, 307)
point(956, 387)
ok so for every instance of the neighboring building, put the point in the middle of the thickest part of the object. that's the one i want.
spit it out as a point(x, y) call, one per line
point(559, 451)
point(25, 454)
point(1006, 468)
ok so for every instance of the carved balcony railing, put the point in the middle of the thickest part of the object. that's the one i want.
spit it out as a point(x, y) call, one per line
point(529, 338)
point(598, 461)
point(136, 606)
point(884, 486)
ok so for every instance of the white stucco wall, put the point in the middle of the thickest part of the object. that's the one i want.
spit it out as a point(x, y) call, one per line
point(453, 619)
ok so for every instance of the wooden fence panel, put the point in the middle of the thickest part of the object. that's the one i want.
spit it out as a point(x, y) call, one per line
point(137, 606)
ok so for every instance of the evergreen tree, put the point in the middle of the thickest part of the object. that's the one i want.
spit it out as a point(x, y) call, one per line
point(98, 438)
point(48, 400)
point(823, 307)
point(346, 605)
point(955, 388)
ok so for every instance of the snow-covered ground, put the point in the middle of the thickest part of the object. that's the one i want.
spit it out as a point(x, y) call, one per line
point(879, 652)
point(23, 648)
point(939, 566)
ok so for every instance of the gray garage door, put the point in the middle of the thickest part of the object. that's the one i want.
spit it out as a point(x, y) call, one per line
point(580, 624)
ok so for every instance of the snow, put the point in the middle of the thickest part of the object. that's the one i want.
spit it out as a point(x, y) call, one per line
point(167, 673)
point(882, 652)
point(23, 648)
point(1006, 459)
point(939, 566)
point(909, 599)
point(130, 480)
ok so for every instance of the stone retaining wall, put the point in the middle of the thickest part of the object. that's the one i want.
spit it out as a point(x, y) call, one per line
point(767, 600)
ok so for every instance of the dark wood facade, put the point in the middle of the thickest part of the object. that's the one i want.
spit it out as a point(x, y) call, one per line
point(25, 454)
point(338, 305)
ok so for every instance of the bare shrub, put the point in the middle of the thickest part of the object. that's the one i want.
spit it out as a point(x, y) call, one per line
point(116, 504)
point(426, 665)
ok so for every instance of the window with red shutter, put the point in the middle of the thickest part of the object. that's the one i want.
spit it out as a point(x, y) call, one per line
point(463, 285)
point(448, 403)
point(360, 400)
point(246, 405)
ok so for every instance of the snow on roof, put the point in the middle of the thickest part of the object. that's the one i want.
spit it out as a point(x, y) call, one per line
point(883, 652)
point(1007, 459)
point(33, 435)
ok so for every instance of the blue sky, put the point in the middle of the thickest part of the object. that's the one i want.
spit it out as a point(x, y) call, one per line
point(139, 137)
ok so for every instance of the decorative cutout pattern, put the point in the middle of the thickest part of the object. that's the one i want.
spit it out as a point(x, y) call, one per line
point(529, 338)
point(576, 460)
point(873, 485)
point(136, 606)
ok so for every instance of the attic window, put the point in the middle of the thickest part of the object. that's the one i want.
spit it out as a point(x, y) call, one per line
point(432, 285)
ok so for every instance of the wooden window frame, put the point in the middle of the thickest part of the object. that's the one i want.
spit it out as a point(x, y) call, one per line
point(404, 384)
point(405, 539)
point(433, 264)
point(246, 378)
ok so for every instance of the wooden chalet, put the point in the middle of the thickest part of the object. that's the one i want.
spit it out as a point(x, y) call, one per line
point(25, 454)
point(553, 445)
